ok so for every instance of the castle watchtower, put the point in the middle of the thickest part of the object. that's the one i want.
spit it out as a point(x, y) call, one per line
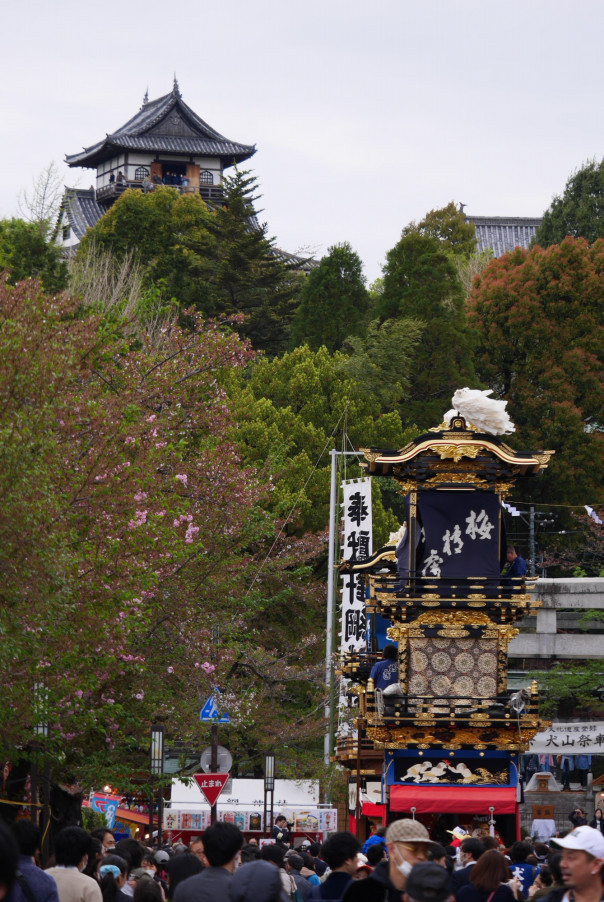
point(164, 143)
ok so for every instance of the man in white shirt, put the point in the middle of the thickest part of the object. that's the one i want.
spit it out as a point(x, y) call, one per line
point(72, 846)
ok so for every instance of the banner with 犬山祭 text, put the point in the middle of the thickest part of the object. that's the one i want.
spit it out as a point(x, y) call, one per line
point(570, 739)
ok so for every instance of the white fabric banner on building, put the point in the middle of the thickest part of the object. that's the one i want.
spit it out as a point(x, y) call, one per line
point(357, 545)
point(570, 739)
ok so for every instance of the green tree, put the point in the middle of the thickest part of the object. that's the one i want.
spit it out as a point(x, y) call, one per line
point(290, 412)
point(539, 315)
point(421, 283)
point(244, 272)
point(219, 261)
point(156, 230)
point(26, 253)
point(334, 301)
point(579, 212)
point(450, 227)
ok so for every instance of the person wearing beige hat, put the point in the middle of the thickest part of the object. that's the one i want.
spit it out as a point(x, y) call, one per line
point(407, 842)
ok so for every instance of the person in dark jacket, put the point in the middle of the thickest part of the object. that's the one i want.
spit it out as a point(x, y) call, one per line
point(598, 821)
point(470, 851)
point(42, 885)
point(294, 864)
point(256, 881)
point(222, 843)
point(341, 854)
point(408, 843)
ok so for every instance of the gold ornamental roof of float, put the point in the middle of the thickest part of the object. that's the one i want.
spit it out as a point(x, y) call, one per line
point(455, 443)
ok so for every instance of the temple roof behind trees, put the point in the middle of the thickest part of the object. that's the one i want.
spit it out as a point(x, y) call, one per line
point(503, 233)
point(166, 125)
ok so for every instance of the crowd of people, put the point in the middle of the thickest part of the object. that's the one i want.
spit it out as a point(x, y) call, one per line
point(399, 863)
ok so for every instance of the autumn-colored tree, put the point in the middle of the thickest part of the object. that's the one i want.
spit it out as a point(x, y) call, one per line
point(541, 324)
point(132, 537)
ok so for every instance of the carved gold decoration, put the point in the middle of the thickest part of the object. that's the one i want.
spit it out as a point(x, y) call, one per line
point(476, 595)
point(458, 617)
point(430, 604)
point(458, 450)
point(503, 488)
point(406, 485)
point(477, 604)
point(544, 457)
point(453, 476)
point(370, 456)
point(453, 739)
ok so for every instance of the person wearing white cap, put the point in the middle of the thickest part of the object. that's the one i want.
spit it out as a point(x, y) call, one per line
point(581, 864)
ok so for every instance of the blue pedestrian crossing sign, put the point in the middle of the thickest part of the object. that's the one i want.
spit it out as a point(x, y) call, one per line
point(210, 713)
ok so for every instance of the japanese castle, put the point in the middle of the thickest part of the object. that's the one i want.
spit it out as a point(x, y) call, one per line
point(166, 142)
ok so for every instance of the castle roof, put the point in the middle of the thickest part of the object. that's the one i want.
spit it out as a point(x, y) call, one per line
point(503, 233)
point(164, 126)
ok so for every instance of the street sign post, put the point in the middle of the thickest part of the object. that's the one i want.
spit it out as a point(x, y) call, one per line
point(211, 714)
point(211, 785)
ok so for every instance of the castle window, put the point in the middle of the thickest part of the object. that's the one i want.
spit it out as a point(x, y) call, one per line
point(206, 177)
point(141, 173)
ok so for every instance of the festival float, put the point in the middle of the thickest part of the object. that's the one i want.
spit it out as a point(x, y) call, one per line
point(442, 742)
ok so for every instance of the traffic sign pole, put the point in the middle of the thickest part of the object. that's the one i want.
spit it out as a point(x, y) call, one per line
point(214, 766)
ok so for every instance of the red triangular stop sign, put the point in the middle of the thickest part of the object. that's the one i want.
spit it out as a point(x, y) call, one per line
point(211, 785)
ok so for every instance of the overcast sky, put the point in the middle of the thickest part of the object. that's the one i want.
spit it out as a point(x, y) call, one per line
point(365, 114)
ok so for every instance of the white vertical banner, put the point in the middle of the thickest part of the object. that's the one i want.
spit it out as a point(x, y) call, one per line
point(357, 545)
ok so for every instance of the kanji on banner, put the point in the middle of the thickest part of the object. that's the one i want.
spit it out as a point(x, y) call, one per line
point(357, 546)
point(570, 739)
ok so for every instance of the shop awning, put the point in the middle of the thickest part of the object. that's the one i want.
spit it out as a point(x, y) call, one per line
point(453, 799)
point(370, 809)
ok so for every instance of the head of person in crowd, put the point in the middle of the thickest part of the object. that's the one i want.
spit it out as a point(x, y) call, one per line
point(490, 870)
point(582, 858)
point(196, 848)
point(9, 859)
point(520, 851)
point(541, 851)
point(438, 854)
point(257, 881)
point(407, 842)
point(554, 859)
point(249, 853)
point(375, 854)
point(341, 852)
point(180, 868)
point(470, 850)
point(148, 864)
point(27, 836)
point(132, 851)
point(95, 856)
point(294, 862)
point(147, 891)
point(106, 838)
point(309, 861)
point(72, 847)
point(180, 848)
point(428, 882)
point(222, 843)
point(113, 874)
point(363, 871)
point(274, 854)
point(490, 842)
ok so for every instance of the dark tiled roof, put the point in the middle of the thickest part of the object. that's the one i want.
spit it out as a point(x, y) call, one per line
point(82, 210)
point(503, 233)
point(165, 125)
